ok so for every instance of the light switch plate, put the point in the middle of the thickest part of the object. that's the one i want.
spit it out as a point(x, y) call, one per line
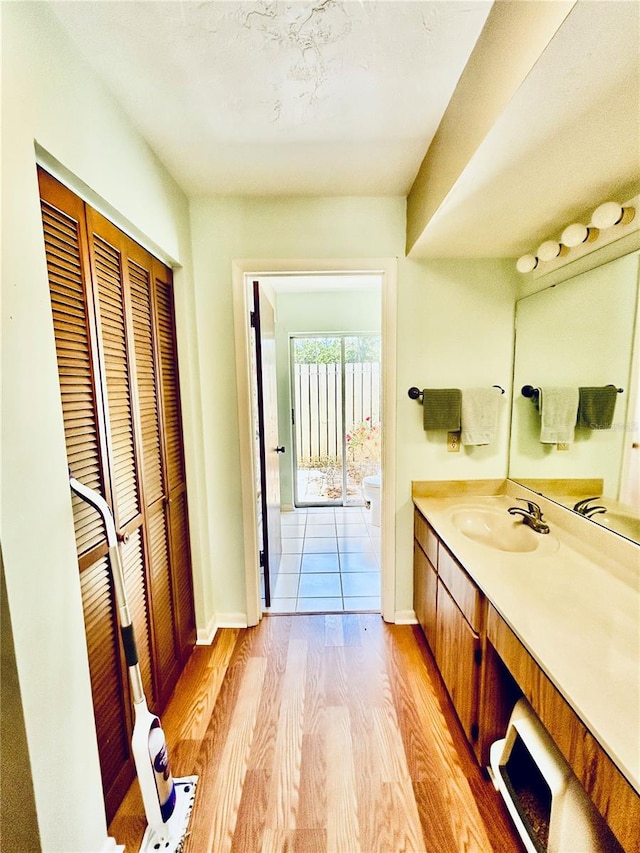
point(453, 442)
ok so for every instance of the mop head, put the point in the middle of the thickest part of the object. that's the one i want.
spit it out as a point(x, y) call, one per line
point(174, 832)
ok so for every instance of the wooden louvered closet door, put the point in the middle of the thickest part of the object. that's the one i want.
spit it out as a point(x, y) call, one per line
point(112, 305)
point(176, 487)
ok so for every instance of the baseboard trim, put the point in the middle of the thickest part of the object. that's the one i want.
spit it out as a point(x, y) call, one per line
point(204, 636)
point(406, 617)
point(231, 620)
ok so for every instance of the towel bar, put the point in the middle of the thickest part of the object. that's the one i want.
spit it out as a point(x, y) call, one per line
point(530, 392)
point(416, 393)
point(533, 393)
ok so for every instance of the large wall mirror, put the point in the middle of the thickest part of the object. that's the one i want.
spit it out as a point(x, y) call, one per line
point(582, 331)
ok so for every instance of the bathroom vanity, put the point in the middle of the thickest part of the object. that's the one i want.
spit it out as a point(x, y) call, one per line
point(555, 617)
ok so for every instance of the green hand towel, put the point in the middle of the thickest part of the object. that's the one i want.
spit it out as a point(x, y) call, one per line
point(596, 406)
point(442, 409)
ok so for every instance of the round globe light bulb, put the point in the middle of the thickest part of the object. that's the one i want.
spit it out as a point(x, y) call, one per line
point(574, 235)
point(526, 263)
point(549, 250)
point(607, 215)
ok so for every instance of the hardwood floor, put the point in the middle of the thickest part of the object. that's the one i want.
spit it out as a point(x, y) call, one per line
point(323, 734)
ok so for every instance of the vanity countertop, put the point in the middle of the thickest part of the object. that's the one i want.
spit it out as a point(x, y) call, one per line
point(576, 609)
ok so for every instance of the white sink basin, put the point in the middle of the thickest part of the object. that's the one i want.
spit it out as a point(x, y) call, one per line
point(496, 529)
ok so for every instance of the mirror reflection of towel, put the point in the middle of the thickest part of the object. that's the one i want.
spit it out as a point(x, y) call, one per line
point(441, 409)
point(596, 407)
point(559, 412)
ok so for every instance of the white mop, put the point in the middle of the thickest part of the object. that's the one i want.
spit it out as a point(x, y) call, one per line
point(167, 801)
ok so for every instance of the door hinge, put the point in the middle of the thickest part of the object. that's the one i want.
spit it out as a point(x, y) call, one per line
point(477, 656)
point(261, 559)
point(293, 417)
point(252, 317)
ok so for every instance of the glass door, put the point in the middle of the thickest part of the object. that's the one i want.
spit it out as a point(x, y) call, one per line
point(336, 416)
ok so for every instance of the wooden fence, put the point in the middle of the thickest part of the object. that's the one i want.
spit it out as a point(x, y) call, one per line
point(318, 409)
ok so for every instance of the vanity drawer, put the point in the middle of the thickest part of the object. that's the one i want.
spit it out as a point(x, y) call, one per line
point(426, 537)
point(463, 590)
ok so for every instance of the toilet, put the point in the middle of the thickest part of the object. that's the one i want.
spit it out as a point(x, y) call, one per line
point(371, 487)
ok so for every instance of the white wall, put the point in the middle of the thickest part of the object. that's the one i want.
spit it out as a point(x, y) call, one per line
point(326, 312)
point(455, 326)
point(455, 322)
point(51, 98)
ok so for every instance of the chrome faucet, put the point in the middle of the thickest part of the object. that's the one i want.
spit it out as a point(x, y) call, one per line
point(532, 515)
point(583, 507)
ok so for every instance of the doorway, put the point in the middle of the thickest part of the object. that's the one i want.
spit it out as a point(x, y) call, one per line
point(336, 417)
point(244, 272)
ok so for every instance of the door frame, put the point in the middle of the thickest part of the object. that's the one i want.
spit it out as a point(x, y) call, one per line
point(243, 273)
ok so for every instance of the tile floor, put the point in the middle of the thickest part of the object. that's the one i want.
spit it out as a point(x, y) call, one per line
point(330, 562)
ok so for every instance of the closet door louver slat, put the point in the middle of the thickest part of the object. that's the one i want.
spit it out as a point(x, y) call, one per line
point(74, 363)
point(182, 571)
point(107, 260)
point(154, 495)
point(146, 381)
point(162, 597)
point(106, 683)
point(169, 382)
point(175, 473)
point(132, 560)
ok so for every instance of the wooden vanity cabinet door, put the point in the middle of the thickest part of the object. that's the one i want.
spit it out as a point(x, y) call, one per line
point(458, 657)
point(425, 580)
point(462, 589)
point(426, 537)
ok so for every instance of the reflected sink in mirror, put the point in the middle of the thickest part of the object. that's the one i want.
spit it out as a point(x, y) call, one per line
point(498, 530)
point(620, 522)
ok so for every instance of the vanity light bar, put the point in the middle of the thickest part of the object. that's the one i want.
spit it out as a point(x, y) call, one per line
point(579, 239)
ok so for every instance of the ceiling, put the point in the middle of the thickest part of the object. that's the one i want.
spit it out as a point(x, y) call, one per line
point(343, 97)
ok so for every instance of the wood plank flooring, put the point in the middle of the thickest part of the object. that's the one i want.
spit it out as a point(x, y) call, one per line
point(323, 734)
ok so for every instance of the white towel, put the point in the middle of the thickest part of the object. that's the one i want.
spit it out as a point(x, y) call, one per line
point(559, 413)
point(479, 415)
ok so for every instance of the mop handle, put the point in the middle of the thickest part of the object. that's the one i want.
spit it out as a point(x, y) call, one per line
point(126, 624)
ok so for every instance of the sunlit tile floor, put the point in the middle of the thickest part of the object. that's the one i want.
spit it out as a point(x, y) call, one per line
point(330, 562)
